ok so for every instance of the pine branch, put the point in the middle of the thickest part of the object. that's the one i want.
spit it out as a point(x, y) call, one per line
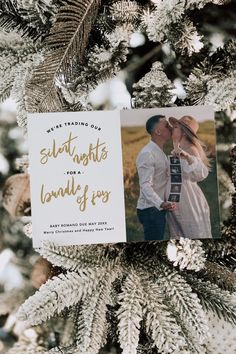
point(18, 92)
point(158, 21)
point(184, 302)
point(66, 44)
point(39, 13)
point(233, 160)
point(223, 59)
point(60, 292)
point(125, 11)
point(120, 34)
point(112, 323)
point(219, 275)
point(130, 313)
point(166, 15)
point(101, 64)
point(74, 258)
point(160, 323)
point(92, 325)
point(211, 87)
point(68, 350)
point(5, 88)
point(10, 20)
point(213, 298)
point(145, 255)
point(184, 38)
point(194, 346)
point(18, 58)
point(186, 253)
point(154, 89)
point(217, 250)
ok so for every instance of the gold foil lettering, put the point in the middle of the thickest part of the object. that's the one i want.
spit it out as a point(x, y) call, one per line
point(82, 200)
point(72, 189)
point(66, 147)
point(95, 153)
point(104, 195)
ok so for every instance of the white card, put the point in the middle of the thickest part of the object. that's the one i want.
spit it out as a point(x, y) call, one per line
point(101, 176)
point(77, 191)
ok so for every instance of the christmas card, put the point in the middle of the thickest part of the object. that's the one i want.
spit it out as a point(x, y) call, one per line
point(118, 176)
point(76, 177)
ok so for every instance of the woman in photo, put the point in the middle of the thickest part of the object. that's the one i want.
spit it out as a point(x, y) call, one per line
point(191, 218)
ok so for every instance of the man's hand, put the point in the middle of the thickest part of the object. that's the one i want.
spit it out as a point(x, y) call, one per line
point(168, 206)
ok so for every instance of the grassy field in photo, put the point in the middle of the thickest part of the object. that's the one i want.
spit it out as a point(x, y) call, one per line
point(133, 140)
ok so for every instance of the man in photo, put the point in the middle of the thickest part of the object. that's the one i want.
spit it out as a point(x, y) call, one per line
point(152, 166)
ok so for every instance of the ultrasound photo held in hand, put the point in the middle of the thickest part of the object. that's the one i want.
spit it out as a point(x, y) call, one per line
point(176, 178)
point(174, 160)
point(175, 169)
point(175, 188)
point(174, 198)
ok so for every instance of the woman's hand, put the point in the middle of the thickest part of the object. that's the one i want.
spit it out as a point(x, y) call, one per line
point(178, 152)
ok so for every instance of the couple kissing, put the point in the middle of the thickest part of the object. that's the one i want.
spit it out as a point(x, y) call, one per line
point(190, 216)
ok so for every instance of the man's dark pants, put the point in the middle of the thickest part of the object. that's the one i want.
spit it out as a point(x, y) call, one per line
point(153, 221)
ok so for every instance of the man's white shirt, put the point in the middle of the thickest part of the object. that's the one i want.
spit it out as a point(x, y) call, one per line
point(152, 165)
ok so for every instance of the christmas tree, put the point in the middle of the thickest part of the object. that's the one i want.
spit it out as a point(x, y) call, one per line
point(168, 297)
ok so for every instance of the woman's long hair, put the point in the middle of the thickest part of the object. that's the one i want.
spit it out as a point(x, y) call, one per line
point(201, 147)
